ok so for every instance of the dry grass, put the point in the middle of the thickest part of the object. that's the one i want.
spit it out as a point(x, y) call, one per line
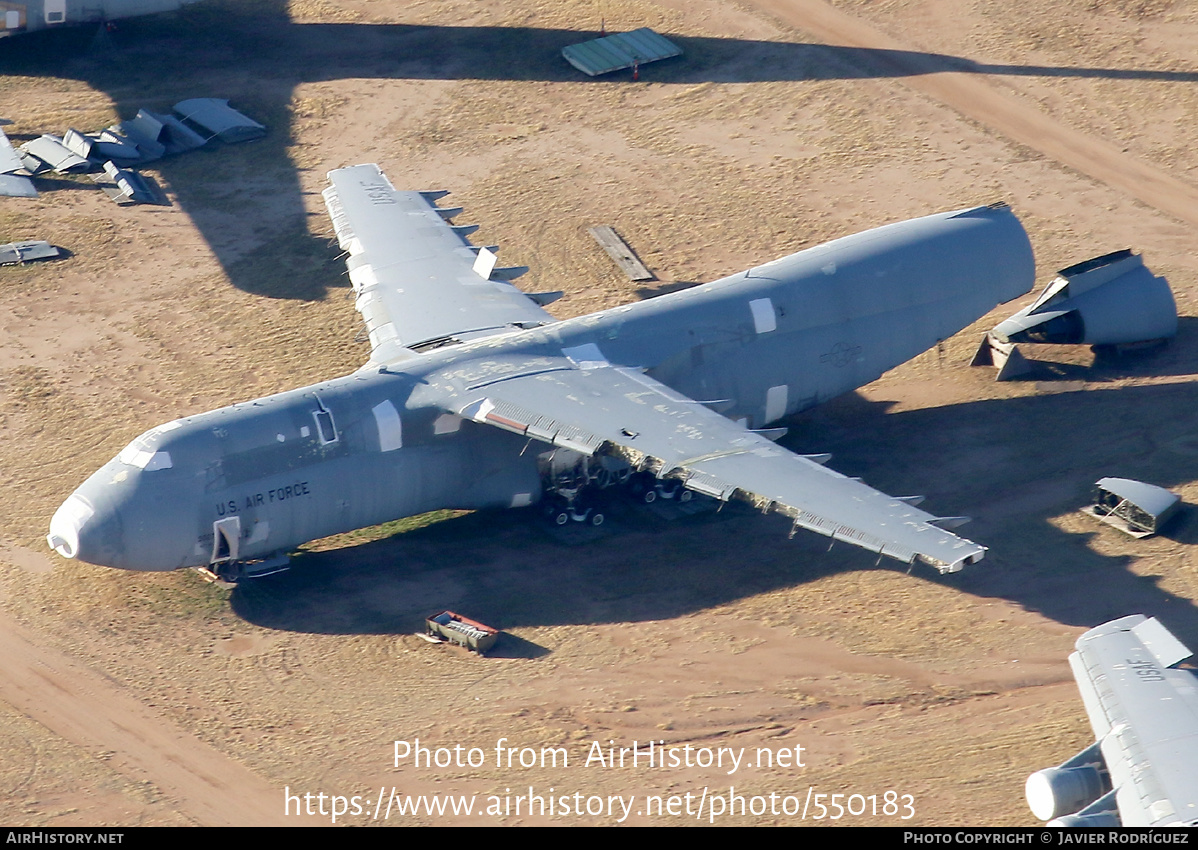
point(944, 688)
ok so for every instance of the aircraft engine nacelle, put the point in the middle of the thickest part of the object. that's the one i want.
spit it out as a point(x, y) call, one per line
point(1109, 300)
point(1102, 813)
point(1070, 788)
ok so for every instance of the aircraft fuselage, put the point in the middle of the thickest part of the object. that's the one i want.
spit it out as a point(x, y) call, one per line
point(385, 442)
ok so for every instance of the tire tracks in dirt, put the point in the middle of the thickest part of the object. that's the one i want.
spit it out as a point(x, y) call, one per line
point(100, 716)
point(972, 96)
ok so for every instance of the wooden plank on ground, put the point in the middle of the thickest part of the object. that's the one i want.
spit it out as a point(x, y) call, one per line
point(619, 251)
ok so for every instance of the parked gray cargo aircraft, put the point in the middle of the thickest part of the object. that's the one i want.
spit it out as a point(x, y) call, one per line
point(31, 15)
point(475, 397)
point(1143, 708)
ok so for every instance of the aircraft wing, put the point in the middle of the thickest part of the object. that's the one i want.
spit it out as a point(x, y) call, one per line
point(582, 403)
point(419, 281)
point(1144, 712)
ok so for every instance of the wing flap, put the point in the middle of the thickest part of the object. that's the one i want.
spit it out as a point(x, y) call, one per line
point(418, 279)
point(594, 408)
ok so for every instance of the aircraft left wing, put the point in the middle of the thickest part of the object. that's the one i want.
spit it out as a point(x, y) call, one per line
point(581, 402)
point(419, 281)
point(1143, 769)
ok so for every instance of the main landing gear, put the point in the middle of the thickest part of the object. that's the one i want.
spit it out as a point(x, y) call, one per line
point(648, 488)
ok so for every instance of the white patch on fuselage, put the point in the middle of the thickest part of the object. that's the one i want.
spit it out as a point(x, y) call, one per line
point(521, 500)
point(447, 423)
point(775, 402)
point(586, 356)
point(390, 428)
point(764, 318)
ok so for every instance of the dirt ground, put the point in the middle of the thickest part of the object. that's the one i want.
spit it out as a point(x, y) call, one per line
point(160, 699)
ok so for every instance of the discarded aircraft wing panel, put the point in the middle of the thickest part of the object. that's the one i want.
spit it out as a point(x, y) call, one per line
point(128, 187)
point(17, 186)
point(50, 150)
point(77, 143)
point(619, 51)
point(221, 120)
point(1134, 507)
point(159, 135)
point(688, 440)
point(24, 252)
point(1143, 770)
point(143, 132)
point(9, 160)
point(110, 145)
point(416, 276)
point(175, 135)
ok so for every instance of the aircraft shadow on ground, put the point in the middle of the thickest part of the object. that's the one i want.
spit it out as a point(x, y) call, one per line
point(253, 54)
point(1015, 464)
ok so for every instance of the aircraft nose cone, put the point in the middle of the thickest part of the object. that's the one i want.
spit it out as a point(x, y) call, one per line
point(65, 526)
point(87, 528)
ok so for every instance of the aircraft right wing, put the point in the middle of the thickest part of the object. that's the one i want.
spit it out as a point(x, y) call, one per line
point(419, 281)
point(1143, 770)
point(581, 402)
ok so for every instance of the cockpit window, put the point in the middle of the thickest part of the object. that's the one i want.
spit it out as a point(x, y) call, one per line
point(134, 455)
point(143, 452)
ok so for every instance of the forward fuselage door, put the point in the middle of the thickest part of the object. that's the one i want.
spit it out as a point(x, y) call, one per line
point(226, 540)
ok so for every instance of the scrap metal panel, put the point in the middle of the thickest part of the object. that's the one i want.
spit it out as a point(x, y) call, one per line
point(621, 254)
point(9, 161)
point(17, 186)
point(50, 150)
point(619, 51)
point(23, 252)
point(221, 120)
